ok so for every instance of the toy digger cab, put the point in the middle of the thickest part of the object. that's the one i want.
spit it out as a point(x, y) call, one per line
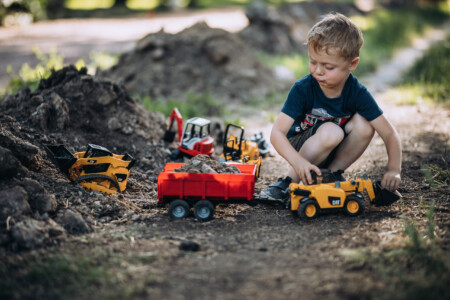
point(95, 169)
point(239, 150)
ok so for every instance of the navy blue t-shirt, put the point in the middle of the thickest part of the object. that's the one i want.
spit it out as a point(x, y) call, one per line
point(307, 104)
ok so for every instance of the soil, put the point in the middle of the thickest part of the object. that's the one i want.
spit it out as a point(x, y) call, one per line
point(245, 252)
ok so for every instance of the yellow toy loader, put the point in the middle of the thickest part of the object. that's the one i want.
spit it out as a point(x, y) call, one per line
point(310, 200)
point(95, 169)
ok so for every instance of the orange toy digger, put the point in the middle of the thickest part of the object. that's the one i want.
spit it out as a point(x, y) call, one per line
point(193, 139)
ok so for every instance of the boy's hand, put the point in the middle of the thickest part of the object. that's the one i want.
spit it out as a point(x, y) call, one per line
point(391, 180)
point(303, 170)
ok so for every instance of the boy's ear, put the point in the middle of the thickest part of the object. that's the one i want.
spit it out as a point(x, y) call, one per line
point(354, 64)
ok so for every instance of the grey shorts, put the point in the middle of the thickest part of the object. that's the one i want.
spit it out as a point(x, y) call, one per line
point(299, 139)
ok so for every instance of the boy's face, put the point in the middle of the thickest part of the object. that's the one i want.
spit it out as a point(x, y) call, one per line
point(330, 69)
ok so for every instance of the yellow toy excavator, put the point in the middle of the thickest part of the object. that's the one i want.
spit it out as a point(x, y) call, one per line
point(240, 150)
point(95, 169)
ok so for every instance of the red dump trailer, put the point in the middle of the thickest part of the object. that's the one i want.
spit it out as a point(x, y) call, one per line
point(203, 191)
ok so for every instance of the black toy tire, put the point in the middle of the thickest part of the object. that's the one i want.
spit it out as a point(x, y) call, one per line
point(204, 210)
point(179, 209)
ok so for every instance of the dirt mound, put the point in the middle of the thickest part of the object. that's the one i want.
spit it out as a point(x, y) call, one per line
point(283, 29)
point(205, 164)
point(199, 59)
point(38, 204)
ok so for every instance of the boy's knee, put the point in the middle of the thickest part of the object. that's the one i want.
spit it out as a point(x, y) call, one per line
point(358, 125)
point(330, 134)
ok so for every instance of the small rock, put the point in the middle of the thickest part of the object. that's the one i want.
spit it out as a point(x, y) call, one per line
point(29, 234)
point(72, 221)
point(9, 164)
point(40, 200)
point(207, 169)
point(189, 246)
point(13, 202)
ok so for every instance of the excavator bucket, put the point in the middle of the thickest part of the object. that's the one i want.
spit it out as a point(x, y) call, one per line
point(61, 157)
point(384, 197)
point(169, 135)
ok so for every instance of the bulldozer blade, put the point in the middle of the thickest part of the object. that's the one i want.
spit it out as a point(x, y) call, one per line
point(61, 157)
point(169, 136)
point(384, 197)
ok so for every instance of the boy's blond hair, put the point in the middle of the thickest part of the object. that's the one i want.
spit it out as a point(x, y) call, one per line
point(337, 32)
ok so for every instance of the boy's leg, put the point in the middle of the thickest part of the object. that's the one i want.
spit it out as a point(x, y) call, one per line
point(319, 146)
point(315, 146)
point(359, 134)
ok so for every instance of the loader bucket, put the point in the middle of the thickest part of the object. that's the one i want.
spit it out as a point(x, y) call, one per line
point(384, 197)
point(61, 157)
point(169, 136)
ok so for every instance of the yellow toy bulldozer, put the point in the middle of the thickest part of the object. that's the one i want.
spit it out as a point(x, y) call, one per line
point(95, 169)
point(240, 150)
point(310, 200)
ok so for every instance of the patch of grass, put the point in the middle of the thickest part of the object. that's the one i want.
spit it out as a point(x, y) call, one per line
point(298, 64)
point(409, 94)
point(193, 105)
point(420, 269)
point(58, 276)
point(430, 75)
point(88, 4)
point(436, 175)
point(387, 30)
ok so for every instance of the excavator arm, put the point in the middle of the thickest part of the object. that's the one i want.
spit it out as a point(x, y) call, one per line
point(169, 135)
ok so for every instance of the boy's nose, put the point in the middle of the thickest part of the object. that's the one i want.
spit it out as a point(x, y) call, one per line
point(319, 70)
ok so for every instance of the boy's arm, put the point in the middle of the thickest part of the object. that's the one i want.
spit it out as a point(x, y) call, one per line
point(391, 179)
point(281, 143)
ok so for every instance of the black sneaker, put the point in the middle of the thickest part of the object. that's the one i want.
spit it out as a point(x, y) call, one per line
point(329, 176)
point(277, 190)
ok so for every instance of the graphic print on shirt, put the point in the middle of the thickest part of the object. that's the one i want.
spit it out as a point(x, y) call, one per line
point(320, 115)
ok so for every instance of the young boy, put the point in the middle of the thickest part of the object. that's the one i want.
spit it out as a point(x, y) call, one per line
point(329, 117)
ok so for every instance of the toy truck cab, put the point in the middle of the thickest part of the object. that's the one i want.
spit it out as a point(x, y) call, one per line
point(193, 137)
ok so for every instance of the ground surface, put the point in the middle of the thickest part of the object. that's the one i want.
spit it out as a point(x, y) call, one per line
point(262, 252)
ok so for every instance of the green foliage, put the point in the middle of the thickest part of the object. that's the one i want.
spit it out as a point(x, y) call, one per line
point(56, 277)
point(436, 175)
point(193, 105)
point(30, 77)
point(387, 30)
point(417, 270)
point(431, 75)
point(297, 63)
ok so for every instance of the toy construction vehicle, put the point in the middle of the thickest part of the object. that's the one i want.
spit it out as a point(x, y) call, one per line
point(310, 200)
point(203, 191)
point(193, 139)
point(238, 150)
point(95, 169)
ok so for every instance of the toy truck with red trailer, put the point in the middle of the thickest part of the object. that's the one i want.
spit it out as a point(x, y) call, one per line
point(203, 191)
